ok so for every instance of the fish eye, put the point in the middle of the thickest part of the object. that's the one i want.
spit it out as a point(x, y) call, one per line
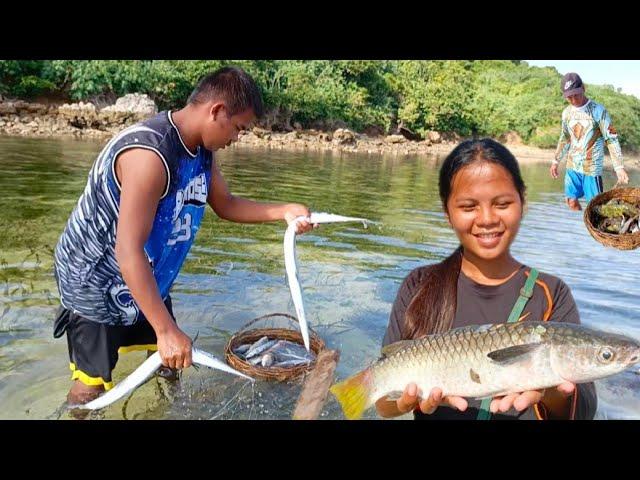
point(606, 354)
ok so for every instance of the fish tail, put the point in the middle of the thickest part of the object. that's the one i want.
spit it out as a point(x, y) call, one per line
point(353, 394)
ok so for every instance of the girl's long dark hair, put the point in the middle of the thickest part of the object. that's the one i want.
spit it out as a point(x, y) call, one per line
point(433, 308)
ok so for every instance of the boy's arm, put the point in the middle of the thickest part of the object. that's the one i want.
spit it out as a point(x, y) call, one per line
point(143, 180)
point(241, 210)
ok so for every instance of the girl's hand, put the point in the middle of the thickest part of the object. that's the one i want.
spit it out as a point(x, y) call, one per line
point(410, 399)
point(524, 400)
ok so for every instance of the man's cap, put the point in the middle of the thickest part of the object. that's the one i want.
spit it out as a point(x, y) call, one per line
point(572, 84)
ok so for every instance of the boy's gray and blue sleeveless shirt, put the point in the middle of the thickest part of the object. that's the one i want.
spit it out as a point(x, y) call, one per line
point(86, 271)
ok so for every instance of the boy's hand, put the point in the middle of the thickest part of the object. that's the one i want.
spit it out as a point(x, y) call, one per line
point(175, 348)
point(295, 210)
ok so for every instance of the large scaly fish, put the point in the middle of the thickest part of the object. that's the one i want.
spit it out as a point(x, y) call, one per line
point(490, 360)
point(290, 262)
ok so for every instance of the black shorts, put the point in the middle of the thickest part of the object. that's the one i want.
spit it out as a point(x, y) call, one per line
point(94, 347)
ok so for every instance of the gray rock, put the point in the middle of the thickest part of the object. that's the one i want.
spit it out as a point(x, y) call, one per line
point(343, 136)
point(395, 139)
point(434, 137)
point(137, 103)
point(7, 108)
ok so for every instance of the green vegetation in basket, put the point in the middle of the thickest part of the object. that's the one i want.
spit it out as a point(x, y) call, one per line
point(618, 217)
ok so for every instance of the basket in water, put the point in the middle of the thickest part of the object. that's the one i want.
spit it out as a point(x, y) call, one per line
point(279, 374)
point(627, 241)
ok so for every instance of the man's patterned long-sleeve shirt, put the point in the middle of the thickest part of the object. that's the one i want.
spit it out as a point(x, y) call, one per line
point(585, 130)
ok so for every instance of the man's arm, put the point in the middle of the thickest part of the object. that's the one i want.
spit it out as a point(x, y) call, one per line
point(143, 180)
point(610, 136)
point(564, 143)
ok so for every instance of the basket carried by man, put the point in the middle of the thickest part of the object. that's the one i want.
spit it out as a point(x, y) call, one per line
point(613, 218)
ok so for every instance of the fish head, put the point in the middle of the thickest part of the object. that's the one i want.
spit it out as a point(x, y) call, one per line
point(589, 356)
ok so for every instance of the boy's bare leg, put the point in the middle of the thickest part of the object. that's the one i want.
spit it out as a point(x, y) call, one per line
point(80, 394)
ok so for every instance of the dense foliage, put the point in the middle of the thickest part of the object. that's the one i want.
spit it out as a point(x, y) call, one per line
point(466, 97)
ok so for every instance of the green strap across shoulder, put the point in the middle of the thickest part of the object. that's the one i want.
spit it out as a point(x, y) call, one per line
point(526, 293)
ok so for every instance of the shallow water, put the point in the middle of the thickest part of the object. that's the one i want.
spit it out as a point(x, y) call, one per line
point(236, 273)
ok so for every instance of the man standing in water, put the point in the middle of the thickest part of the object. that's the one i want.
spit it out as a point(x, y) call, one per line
point(586, 127)
point(133, 226)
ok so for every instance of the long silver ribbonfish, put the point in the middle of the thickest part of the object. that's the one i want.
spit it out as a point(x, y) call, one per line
point(291, 266)
point(490, 360)
point(148, 368)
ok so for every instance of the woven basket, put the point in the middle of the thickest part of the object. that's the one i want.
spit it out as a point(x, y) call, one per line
point(627, 241)
point(279, 374)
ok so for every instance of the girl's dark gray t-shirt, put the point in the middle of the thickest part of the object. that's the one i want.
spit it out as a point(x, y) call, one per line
point(488, 304)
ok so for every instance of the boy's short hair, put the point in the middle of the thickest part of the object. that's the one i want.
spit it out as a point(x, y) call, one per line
point(234, 87)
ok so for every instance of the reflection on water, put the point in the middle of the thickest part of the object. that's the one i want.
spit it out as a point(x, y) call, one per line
point(236, 272)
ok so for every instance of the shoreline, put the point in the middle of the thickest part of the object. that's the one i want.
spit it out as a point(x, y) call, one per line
point(85, 121)
point(366, 145)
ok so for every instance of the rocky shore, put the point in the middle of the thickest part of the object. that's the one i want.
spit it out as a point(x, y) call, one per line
point(86, 120)
point(82, 120)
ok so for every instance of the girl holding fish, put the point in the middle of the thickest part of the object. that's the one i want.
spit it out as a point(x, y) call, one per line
point(483, 197)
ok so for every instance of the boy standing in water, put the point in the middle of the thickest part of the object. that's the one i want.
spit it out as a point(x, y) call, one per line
point(133, 226)
point(586, 127)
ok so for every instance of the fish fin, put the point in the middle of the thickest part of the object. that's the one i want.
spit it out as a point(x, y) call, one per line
point(513, 354)
point(395, 347)
point(353, 394)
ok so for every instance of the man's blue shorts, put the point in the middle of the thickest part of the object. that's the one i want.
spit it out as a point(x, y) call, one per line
point(578, 185)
